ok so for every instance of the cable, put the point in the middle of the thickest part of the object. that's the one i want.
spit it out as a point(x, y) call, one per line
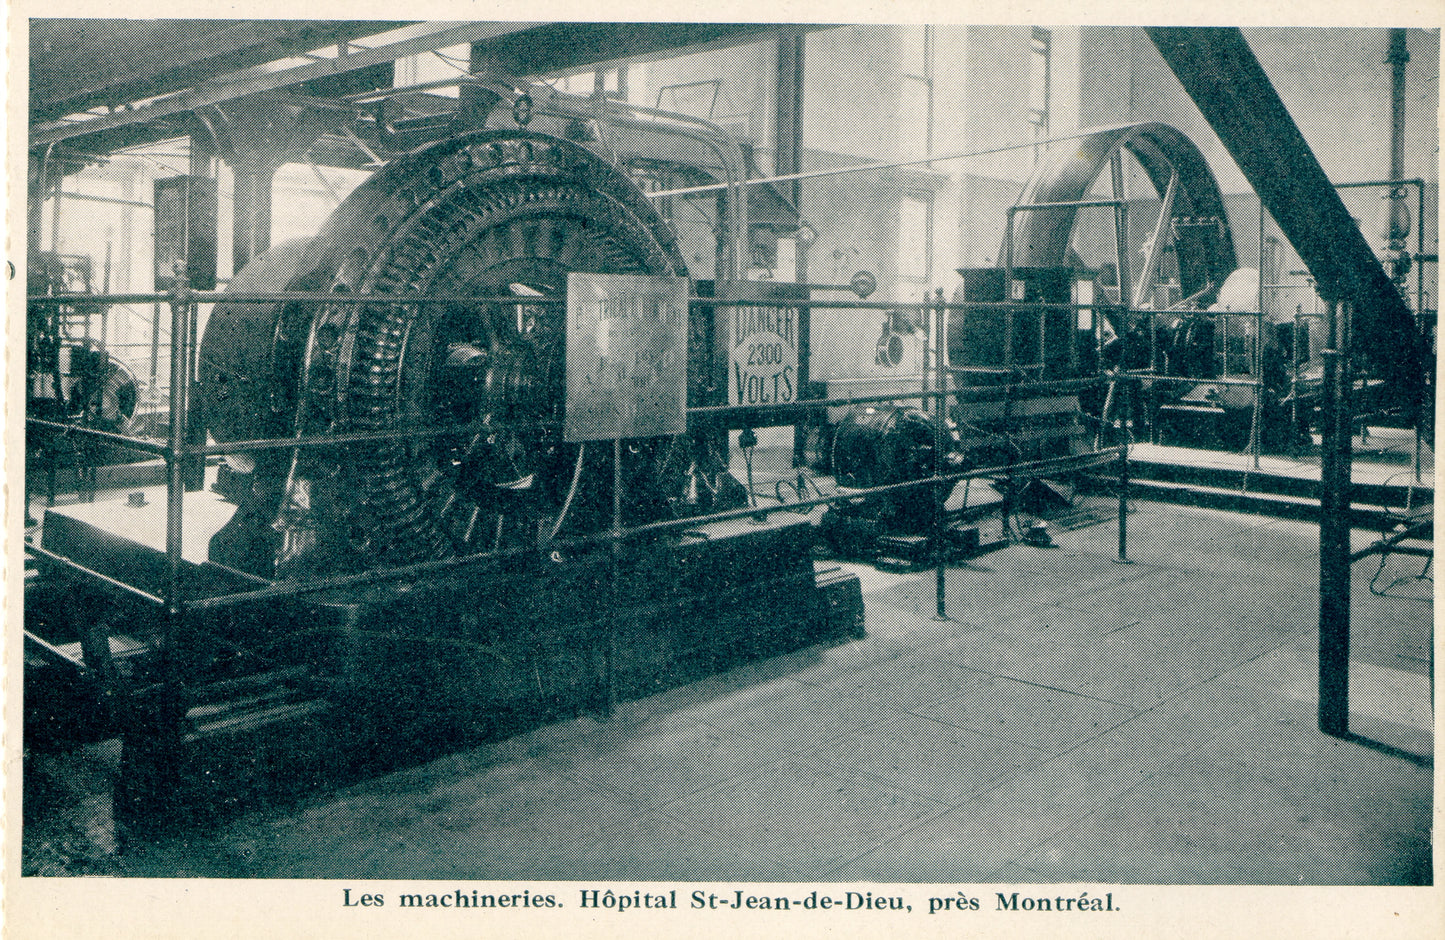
point(748, 440)
point(453, 61)
point(1385, 591)
point(571, 492)
point(800, 492)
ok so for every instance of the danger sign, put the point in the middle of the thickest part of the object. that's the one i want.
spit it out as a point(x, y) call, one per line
point(763, 365)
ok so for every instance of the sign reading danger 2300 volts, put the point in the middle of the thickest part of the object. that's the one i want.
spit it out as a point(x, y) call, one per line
point(763, 364)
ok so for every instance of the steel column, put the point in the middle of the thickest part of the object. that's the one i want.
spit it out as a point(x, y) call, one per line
point(1334, 639)
point(787, 158)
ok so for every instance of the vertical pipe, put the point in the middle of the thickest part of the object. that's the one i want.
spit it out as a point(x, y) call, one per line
point(193, 465)
point(155, 343)
point(1121, 230)
point(1096, 316)
point(105, 289)
point(1398, 55)
point(1256, 427)
point(1426, 413)
point(55, 213)
point(1007, 503)
point(1334, 638)
point(1008, 250)
point(1419, 250)
point(931, 345)
point(180, 333)
point(150, 764)
point(1044, 313)
point(1260, 256)
point(742, 254)
point(1295, 345)
point(1153, 343)
point(787, 151)
point(787, 157)
point(1418, 453)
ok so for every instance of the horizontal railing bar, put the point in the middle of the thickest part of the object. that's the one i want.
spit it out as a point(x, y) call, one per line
point(347, 437)
point(355, 437)
point(134, 443)
point(1416, 181)
point(1071, 204)
point(321, 297)
point(293, 588)
point(45, 555)
point(273, 297)
point(1150, 377)
point(358, 437)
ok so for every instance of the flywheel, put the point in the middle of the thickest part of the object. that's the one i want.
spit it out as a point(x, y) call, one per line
point(1197, 230)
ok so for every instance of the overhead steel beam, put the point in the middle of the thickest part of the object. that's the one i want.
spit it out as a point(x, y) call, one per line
point(557, 47)
point(77, 64)
point(409, 41)
point(1220, 72)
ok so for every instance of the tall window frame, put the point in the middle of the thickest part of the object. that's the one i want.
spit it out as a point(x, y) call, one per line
point(913, 266)
point(916, 72)
point(1041, 47)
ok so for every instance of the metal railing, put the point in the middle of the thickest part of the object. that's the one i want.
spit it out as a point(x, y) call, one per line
point(179, 603)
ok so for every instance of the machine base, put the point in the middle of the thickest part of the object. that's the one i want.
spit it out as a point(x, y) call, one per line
point(394, 673)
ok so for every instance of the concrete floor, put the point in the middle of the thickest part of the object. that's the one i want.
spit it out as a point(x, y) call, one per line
point(1075, 720)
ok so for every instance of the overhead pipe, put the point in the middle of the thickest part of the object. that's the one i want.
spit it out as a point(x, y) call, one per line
point(1220, 72)
point(1398, 56)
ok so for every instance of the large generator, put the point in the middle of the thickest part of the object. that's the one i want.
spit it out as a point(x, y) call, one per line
point(401, 531)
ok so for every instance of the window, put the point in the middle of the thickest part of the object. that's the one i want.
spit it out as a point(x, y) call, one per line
point(915, 95)
point(915, 236)
point(698, 99)
point(1040, 48)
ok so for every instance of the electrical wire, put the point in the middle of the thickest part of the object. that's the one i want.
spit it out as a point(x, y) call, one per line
point(800, 492)
point(455, 62)
point(1424, 575)
point(571, 492)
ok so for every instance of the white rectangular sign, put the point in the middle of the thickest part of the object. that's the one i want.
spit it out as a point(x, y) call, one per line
point(763, 358)
point(626, 356)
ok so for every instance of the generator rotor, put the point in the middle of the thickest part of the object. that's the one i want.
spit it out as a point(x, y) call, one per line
point(492, 223)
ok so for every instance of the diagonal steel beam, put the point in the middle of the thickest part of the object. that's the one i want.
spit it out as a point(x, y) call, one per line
point(1220, 72)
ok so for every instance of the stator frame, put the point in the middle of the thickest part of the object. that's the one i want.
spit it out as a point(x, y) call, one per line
point(487, 214)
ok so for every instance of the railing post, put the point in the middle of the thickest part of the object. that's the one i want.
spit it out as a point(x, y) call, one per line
point(1123, 556)
point(151, 746)
point(1294, 369)
point(1256, 421)
point(609, 651)
point(940, 442)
